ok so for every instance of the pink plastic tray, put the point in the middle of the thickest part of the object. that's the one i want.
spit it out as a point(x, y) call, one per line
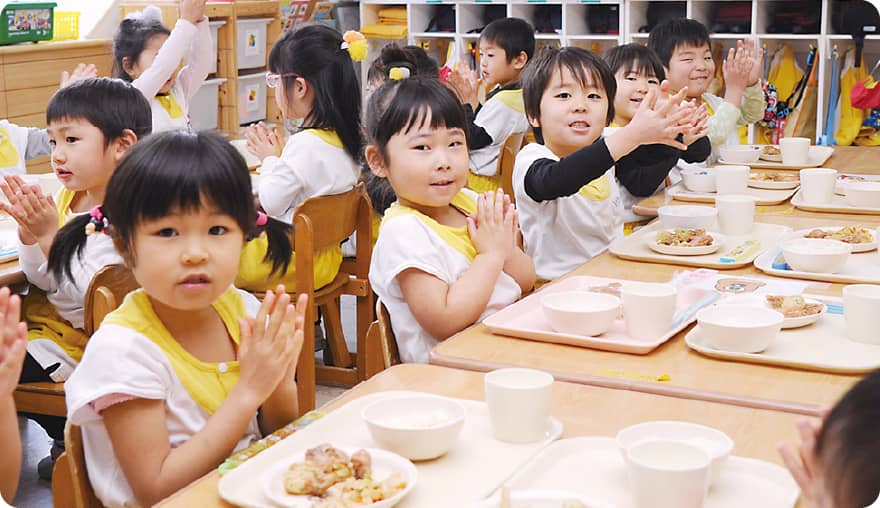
point(525, 319)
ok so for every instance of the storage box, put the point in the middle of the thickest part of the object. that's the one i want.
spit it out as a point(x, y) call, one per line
point(251, 98)
point(215, 26)
point(65, 26)
point(26, 22)
point(251, 42)
point(204, 104)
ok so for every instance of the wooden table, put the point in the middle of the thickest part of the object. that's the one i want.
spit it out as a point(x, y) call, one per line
point(11, 274)
point(583, 411)
point(846, 159)
point(691, 374)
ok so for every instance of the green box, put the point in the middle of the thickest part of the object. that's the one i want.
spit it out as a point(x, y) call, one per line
point(27, 22)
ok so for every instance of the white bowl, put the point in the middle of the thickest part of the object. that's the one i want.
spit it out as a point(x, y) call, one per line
point(699, 180)
point(580, 312)
point(740, 154)
point(687, 216)
point(419, 427)
point(817, 255)
point(739, 328)
point(716, 443)
point(863, 194)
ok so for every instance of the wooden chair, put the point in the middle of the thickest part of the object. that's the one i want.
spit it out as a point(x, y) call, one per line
point(70, 479)
point(382, 351)
point(319, 223)
point(506, 158)
point(106, 291)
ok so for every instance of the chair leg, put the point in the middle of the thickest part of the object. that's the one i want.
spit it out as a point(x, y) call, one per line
point(365, 318)
point(305, 379)
point(335, 337)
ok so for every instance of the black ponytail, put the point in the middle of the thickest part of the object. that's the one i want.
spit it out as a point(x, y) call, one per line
point(69, 242)
point(279, 250)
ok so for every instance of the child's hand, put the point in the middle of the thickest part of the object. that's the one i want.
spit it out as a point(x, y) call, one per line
point(34, 212)
point(756, 54)
point(465, 89)
point(697, 126)
point(269, 346)
point(802, 464)
point(737, 69)
point(661, 123)
point(13, 342)
point(492, 229)
point(193, 10)
point(263, 142)
point(81, 72)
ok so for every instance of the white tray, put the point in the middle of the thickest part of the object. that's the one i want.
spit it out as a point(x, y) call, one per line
point(818, 156)
point(838, 204)
point(476, 465)
point(838, 188)
point(525, 319)
point(822, 346)
point(635, 248)
point(860, 268)
point(764, 197)
point(593, 466)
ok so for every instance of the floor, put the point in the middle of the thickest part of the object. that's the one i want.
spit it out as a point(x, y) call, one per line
point(36, 493)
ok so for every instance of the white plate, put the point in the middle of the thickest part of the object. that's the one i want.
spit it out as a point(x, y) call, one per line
point(856, 247)
point(675, 250)
point(771, 158)
point(384, 463)
point(766, 184)
point(541, 499)
point(797, 322)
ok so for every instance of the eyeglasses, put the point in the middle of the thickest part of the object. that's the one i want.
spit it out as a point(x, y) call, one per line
point(273, 80)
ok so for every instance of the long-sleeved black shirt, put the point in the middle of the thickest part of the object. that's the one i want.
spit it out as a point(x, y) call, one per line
point(477, 136)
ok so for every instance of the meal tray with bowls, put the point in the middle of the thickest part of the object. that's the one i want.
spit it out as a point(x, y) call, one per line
point(594, 467)
point(818, 156)
point(838, 204)
point(736, 251)
point(471, 470)
point(763, 197)
point(525, 319)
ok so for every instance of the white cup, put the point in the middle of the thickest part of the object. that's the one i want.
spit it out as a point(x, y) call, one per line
point(732, 179)
point(519, 404)
point(817, 185)
point(795, 151)
point(736, 213)
point(665, 474)
point(861, 306)
point(648, 309)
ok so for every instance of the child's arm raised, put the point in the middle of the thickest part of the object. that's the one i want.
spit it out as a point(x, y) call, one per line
point(138, 429)
point(13, 347)
point(802, 463)
point(198, 60)
point(444, 309)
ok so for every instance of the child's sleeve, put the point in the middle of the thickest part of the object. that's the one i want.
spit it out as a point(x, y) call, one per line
point(645, 168)
point(37, 143)
point(167, 59)
point(282, 185)
point(402, 245)
point(198, 63)
point(547, 179)
point(35, 266)
point(497, 120)
point(723, 123)
point(698, 151)
point(477, 136)
point(753, 104)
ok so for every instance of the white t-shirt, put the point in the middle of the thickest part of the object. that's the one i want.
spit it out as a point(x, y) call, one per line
point(119, 360)
point(313, 163)
point(406, 241)
point(501, 116)
point(564, 233)
point(186, 38)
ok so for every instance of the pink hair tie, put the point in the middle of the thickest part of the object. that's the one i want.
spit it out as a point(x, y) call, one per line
point(97, 222)
point(262, 219)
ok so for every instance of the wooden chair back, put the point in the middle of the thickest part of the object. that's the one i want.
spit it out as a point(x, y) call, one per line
point(106, 292)
point(70, 479)
point(319, 223)
point(390, 353)
point(506, 159)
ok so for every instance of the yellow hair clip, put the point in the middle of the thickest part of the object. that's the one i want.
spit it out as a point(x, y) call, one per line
point(398, 73)
point(356, 44)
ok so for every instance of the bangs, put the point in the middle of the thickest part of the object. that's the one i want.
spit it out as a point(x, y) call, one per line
point(644, 68)
point(586, 76)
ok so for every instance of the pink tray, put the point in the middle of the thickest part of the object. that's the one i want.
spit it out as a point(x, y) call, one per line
point(525, 319)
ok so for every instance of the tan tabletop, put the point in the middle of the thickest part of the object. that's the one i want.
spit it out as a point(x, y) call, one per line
point(691, 374)
point(846, 159)
point(583, 411)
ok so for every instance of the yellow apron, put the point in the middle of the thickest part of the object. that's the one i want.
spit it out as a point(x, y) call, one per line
point(42, 318)
point(207, 383)
point(457, 238)
point(170, 105)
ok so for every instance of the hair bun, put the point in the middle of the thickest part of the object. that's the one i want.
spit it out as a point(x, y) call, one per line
point(150, 13)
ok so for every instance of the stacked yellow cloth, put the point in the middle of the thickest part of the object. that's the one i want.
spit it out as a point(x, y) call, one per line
point(391, 24)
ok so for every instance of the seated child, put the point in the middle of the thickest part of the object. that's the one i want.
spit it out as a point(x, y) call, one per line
point(637, 70)
point(836, 462)
point(506, 46)
point(92, 124)
point(13, 346)
point(446, 258)
point(188, 369)
point(683, 47)
point(568, 203)
point(315, 81)
point(148, 55)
